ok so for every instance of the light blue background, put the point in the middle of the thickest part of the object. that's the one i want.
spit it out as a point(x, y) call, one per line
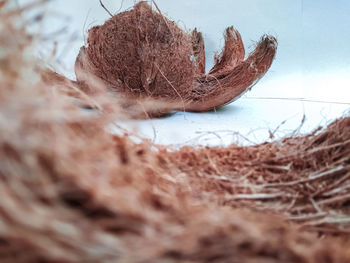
point(312, 62)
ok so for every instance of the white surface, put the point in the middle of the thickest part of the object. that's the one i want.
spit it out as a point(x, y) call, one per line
point(312, 63)
point(247, 121)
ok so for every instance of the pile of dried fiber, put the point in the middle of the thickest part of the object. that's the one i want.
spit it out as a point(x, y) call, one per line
point(72, 192)
point(307, 179)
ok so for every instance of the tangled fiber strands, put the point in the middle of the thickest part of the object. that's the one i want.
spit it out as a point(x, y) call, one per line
point(305, 178)
point(141, 54)
point(73, 192)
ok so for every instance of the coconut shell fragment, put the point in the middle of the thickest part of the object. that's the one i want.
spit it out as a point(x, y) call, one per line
point(140, 54)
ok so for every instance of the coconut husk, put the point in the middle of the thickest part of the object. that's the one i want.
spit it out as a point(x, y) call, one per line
point(74, 192)
point(140, 54)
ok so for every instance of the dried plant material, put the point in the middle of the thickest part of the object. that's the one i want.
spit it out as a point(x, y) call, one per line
point(307, 179)
point(73, 192)
point(141, 54)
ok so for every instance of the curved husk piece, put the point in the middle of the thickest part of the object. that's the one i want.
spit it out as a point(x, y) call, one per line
point(232, 54)
point(231, 76)
point(198, 51)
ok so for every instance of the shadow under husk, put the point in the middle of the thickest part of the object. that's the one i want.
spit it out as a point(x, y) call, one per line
point(73, 192)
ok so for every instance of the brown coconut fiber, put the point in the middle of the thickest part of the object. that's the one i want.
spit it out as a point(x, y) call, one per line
point(73, 192)
point(140, 54)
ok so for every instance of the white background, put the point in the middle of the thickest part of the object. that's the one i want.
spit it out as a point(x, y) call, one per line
point(310, 75)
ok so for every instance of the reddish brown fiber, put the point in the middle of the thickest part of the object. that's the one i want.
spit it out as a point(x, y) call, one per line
point(141, 54)
point(73, 192)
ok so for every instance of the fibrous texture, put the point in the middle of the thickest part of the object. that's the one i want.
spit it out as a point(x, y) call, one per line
point(73, 192)
point(307, 179)
point(142, 54)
